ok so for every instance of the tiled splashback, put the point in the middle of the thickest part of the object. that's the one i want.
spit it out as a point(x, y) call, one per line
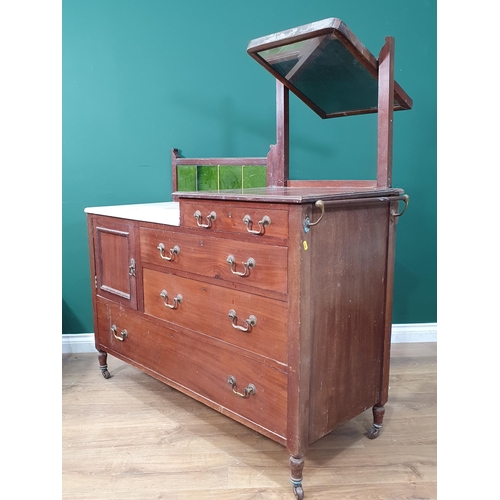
point(219, 177)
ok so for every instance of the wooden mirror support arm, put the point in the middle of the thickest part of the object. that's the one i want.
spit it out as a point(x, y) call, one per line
point(385, 113)
point(277, 158)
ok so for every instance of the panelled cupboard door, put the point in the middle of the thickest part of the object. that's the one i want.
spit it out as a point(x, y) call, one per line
point(115, 260)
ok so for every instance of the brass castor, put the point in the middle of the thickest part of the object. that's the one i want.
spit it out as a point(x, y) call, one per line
point(378, 417)
point(103, 365)
point(298, 491)
point(296, 466)
point(374, 431)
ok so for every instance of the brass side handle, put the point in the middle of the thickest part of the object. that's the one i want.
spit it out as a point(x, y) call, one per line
point(266, 221)
point(123, 333)
point(172, 252)
point(250, 322)
point(406, 199)
point(176, 302)
point(210, 218)
point(247, 392)
point(307, 223)
point(247, 266)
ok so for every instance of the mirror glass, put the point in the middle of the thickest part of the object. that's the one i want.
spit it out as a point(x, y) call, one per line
point(326, 73)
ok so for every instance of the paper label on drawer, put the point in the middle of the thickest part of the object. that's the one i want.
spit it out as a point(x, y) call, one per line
point(304, 244)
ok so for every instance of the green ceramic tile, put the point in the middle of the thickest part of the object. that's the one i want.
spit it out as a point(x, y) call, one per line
point(186, 177)
point(207, 178)
point(230, 177)
point(254, 176)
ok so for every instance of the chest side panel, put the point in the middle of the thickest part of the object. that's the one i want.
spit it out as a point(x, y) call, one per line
point(347, 294)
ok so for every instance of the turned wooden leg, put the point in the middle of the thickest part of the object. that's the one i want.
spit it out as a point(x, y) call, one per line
point(296, 467)
point(378, 418)
point(103, 358)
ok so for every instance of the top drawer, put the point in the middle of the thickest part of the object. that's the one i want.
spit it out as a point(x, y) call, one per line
point(260, 220)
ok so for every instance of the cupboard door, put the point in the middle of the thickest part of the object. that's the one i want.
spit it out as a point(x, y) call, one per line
point(115, 260)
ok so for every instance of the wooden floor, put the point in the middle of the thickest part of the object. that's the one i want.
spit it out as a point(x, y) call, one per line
point(133, 438)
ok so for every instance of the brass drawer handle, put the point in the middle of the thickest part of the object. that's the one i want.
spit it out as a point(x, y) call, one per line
point(210, 217)
point(266, 221)
point(177, 300)
point(248, 391)
point(251, 321)
point(124, 333)
point(249, 264)
point(173, 252)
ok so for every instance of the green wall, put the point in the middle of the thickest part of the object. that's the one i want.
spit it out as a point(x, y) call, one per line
point(143, 76)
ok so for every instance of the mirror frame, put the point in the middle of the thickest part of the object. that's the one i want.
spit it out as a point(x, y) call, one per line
point(317, 29)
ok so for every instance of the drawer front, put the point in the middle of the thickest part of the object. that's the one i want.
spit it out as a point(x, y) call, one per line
point(123, 332)
point(236, 218)
point(252, 322)
point(254, 264)
point(200, 366)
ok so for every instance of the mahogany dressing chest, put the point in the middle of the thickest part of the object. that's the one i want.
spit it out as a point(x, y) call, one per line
point(271, 304)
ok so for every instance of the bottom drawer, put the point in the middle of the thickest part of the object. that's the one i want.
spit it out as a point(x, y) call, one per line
point(199, 366)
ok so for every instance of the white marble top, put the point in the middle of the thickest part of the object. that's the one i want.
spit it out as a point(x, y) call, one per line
point(161, 213)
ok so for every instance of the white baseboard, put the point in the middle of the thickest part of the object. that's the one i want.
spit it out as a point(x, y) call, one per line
point(414, 332)
point(407, 332)
point(78, 342)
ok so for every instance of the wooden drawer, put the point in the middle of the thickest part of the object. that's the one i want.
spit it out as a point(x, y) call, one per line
point(199, 367)
point(125, 333)
point(205, 308)
point(208, 256)
point(230, 217)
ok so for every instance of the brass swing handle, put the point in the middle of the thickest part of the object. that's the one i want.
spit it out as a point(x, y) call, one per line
point(177, 300)
point(173, 252)
point(247, 392)
point(210, 218)
point(406, 199)
point(251, 321)
point(124, 333)
point(307, 223)
point(247, 266)
point(266, 221)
